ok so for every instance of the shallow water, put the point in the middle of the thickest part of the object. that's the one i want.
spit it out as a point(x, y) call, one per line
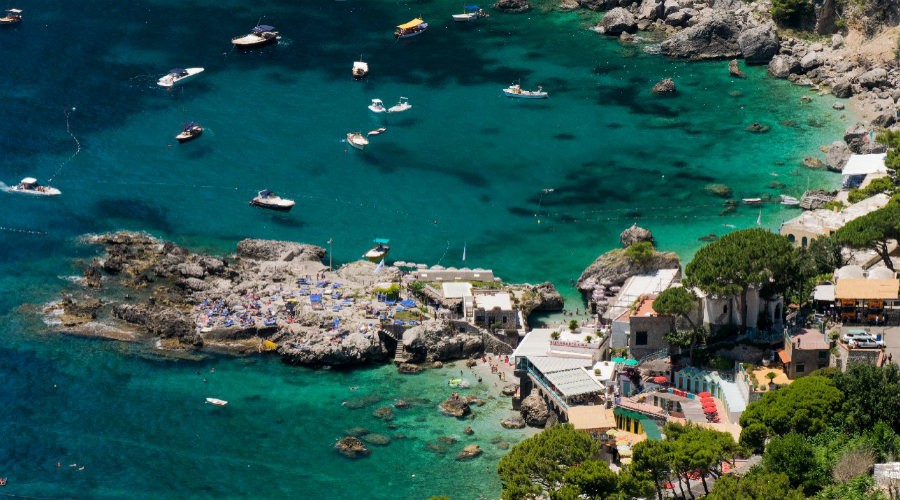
point(465, 167)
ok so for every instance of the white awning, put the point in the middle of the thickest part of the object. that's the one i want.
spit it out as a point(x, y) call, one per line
point(824, 293)
point(552, 364)
point(574, 382)
point(865, 164)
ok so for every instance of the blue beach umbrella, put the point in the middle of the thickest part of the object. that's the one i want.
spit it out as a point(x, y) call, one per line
point(631, 362)
point(618, 360)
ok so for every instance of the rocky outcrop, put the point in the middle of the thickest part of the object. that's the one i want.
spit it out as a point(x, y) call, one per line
point(635, 234)
point(283, 251)
point(837, 156)
point(714, 37)
point(455, 407)
point(469, 452)
point(735, 70)
point(351, 447)
point(873, 78)
point(615, 267)
point(353, 349)
point(782, 66)
point(842, 88)
point(665, 86)
point(513, 6)
point(543, 298)
point(856, 137)
point(595, 5)
point(534, 410)
point(513, 422)
point(759, 44)
point(617, 21)
point(439, 340)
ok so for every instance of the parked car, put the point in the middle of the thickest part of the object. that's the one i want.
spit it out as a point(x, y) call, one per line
point(862, 338)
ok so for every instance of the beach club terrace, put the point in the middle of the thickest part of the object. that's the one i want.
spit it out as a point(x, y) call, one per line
point(862, 297)
point(814, 223)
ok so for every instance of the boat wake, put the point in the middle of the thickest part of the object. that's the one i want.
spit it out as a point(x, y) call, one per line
point(77, 145)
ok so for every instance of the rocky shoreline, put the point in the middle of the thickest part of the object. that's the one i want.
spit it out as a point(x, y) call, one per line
point(269, 296)
point(860, 65)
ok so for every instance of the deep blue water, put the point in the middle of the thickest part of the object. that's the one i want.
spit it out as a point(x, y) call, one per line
point(464, 167)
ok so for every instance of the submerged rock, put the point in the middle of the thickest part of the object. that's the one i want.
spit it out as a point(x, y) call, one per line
point(665, 87)
point(351, 447)
point(455, 407)
point(384, 413)
point(513, 422)
point(469, 452)
point(377, 439)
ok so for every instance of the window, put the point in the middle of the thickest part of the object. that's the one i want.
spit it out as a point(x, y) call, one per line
point(504, 320)
point(640, 338)
point(801, 368)
point(791, 238)
point(823, 355)
point(725, 309)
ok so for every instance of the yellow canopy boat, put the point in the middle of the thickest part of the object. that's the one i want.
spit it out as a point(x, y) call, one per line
point(415, 27)
point(412, 24)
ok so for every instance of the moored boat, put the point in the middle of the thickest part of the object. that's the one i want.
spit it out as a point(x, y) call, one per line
point(470, 13)
point(259, 36)
point(377, 106)
point(360, 69)
point(12, 16)
point(751, 201)
point(401, 106)
point(379, 251)
point(357, 140)
point(270, 200)
point(30, 185)
point(515, 90)
point(411, 29)
point(189, 131)
point(216, 401)
point(377, 131)
point(178, 75)
point(789, 200)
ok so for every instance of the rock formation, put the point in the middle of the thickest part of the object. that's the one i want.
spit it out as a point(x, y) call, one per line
point(759, 44)
point(714, 37)
point(513, 422)
point(615, 267)
point(514, 6)
point(351, 447)
point(469, 452)
point(534, 410)
point(665, 86)
point(635, 234)
point(455, 407)
point(735, 70)
point(617, 21)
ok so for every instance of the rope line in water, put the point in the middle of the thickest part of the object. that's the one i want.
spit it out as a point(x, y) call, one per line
point(22, 231)
point(77, 147)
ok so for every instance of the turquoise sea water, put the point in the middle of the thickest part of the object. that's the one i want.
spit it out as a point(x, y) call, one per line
point(464, 167)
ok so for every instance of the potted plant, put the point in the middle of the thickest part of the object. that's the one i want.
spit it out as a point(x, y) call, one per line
point(554, 335)
point(573, 325)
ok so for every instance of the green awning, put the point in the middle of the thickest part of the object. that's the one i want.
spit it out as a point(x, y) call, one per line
point(651, 429)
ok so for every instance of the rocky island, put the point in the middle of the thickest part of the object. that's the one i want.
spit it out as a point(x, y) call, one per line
point(275, 296)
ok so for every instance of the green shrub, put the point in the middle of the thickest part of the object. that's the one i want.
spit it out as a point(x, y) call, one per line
point(792, 13)
point(641, 252)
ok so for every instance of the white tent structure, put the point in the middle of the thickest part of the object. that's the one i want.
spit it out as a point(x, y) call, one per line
point(865, 164)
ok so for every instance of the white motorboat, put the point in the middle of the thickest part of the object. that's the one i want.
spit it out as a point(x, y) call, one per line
point(360, 70)
point(470, 13)
point(259, 36)
point(751, 201)
point(177, 76)
point(401, 106)
point(216, 401)
point(189, 132)
point(12, 16)
point(270, 200)
point(377, 131)
point(30, 185)
point(377, 106)
point(515, 90)
point(379, 251)
point(413, 28)
point(789, 200)
point(357, 140)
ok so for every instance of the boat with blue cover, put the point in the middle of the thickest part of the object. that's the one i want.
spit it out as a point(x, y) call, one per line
point(379, 251)
point(259, 36)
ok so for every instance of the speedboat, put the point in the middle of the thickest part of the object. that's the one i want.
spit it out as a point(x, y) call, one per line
point(360, 70)
point(216, 401)
point(515, 90)
point(751, 201)
point(12, 16)
point(379, 251)
point(377, 131)
point(470, 13)
point(259, 36)
point(377, 106)
point(189, 131)
point(30, 185)
point(401, 106)
point(178, 75)
point(357, 140)
point(270, 200)
point(410, 29)
point(789, 200)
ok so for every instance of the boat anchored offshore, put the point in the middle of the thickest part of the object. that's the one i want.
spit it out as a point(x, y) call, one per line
point(751, 201)
point(270, 200)
point(410, 29)
point(30, 185)
point(360, 69)
point(189, 131)
point(12, 16)
point(377, 106)
point(379, 251)
point(259, 36)
point(357, 140)
point(470, 13)
point(178, 75)
point(216, 401)
point(515, 90)
point(401, 106)
point(377, 131)
point(789, 200)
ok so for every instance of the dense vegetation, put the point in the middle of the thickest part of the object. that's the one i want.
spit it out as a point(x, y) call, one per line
point(793, 13)
point(873, 231)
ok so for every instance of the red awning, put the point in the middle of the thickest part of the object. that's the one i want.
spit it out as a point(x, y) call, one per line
point(704, 394)
point(660, 380)
point(709, 410)
point(784, 356)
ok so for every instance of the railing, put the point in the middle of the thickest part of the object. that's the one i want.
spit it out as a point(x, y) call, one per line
point(574, 343)
point(662, 353)
point(540, 380)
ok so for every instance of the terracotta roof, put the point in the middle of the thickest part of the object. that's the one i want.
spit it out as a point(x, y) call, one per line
point(784, 356)
point(591, 417)
point(861, 288)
